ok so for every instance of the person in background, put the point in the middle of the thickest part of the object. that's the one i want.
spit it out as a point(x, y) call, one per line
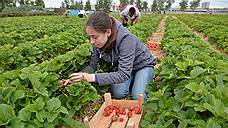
point(131, 13)
point(119, 48)
point(82, 13)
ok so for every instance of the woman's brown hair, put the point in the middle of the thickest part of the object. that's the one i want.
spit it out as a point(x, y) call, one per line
point(101, 22)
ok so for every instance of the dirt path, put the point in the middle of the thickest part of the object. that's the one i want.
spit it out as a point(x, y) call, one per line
point(205, 38)
point(156, 38)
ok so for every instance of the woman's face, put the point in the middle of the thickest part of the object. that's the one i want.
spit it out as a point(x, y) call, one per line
point(97, 39)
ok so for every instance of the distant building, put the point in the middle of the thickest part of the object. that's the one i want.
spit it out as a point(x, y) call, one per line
point(205, 5)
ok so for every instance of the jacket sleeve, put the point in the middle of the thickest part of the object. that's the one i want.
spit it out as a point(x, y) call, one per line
point(93, 62)
point(125, 63)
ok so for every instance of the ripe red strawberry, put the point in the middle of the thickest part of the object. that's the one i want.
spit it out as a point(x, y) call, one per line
point(121, 119)
point(131, 108)
point(124, 112)
point(106, 108)
point(107, 113)
point(129, 114)
point(117, 112)
point(110, 111)
point(152, 46)
point(111, 107)
point(117, 107)
point(137, 110)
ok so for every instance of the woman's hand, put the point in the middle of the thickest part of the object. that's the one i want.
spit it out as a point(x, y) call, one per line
point(77, 77)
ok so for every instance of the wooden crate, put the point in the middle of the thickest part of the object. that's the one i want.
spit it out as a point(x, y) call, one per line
point(101, 121)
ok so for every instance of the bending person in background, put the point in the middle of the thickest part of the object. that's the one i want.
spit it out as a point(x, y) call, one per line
point(119, 48)
point(130, 13)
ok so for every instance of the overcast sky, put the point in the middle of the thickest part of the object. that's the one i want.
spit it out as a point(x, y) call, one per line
point(213, 3)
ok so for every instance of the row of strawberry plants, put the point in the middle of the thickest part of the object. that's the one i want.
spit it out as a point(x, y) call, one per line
point(213, 19)
point(37, 51)
point(26, 95)
point(192, 85)
point(146, 25)
point(217, 34)
point(19, 30)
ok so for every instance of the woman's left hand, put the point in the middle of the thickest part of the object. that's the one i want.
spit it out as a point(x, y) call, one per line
point(77, 77)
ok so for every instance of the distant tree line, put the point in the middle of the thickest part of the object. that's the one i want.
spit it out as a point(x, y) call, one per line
point(157, 5)
point(12, 3)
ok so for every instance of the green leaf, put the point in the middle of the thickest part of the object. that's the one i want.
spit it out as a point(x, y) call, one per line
point(177, 107)
point(219, 80)
point(63, 110)
point(53, 104)
point(197, 71)
point(34, 77)
point(15, 123)
point(145, 123)
point(181, 65)
point(193, 87)
point(93, 96)
point(84, 98)
point(24, 114)
point(190, 113)
point(199, 123)
point(153, 106)
point(213, 124)
point(184, 123)
point(41, 115)
point(219, 106)
point(6, 114)
point(18, 94)
point(168, 123)
point(209, 107)
point(197, 62)
point(34, 124)
point(76, 89)
point(72, 123)
point(16, 82)
point(38, 105)
point(200, 108)
point(225, 91)
point(51, 116)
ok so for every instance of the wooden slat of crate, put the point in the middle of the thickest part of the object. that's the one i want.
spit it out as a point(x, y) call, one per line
point(104, 121)
point(94, 121)
point(119, 124)
point(135, 119)
point(100, 121)
point(126, 103)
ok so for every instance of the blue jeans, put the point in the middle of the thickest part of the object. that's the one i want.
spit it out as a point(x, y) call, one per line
point(137, 81)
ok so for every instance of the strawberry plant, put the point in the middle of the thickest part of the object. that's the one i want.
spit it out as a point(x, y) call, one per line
point(191, 91)
point(26, 93)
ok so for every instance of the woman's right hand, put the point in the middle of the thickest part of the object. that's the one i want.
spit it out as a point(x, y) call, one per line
point(76, 77)
point(65, 83)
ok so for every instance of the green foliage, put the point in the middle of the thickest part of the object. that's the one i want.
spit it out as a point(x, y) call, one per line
point(213, 26)
point(191, 90)
point(88, 5)
point(26, 94)
point(26, 41)
point(194, 4)
point(183, 5)
point(103, 5)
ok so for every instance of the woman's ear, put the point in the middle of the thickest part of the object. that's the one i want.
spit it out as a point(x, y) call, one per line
point(109, 32)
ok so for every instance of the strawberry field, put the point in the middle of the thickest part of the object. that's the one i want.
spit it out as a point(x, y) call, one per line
point(190, 87)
